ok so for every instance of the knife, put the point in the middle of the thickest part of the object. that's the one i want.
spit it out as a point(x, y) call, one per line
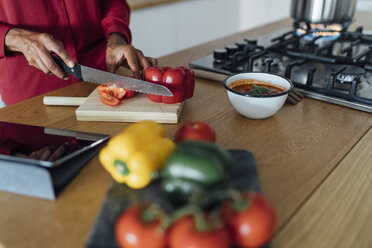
point(87, 74)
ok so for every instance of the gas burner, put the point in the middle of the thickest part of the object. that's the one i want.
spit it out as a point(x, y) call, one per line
point(312, 31)
point(350, 74)
point(337, 71)
point(269, 63)
point(273, 60)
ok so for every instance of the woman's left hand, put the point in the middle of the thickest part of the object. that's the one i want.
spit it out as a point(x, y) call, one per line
point(119, 52)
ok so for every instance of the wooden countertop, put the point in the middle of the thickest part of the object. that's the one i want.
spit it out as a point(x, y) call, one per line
point(314, 161)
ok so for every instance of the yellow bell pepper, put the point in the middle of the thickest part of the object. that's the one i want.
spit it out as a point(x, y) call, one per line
point(132, 156)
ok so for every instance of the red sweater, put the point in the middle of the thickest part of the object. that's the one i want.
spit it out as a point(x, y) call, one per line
point(81, 25)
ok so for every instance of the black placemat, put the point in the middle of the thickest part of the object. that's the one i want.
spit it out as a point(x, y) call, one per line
point(120, 197)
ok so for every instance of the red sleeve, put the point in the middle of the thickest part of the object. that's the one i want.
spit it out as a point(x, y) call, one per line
point(4, 149)
point(5, 145)
point(115, 18)
point(3, 30)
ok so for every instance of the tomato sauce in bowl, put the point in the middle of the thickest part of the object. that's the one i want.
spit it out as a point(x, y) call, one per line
point(255, 87)
point(257, 95)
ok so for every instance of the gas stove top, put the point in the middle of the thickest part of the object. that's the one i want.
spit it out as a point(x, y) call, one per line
point(332, 69)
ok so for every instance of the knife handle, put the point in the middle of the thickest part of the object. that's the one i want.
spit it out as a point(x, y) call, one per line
point(76, 70)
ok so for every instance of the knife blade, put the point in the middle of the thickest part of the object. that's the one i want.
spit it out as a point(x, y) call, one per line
point(88, 74)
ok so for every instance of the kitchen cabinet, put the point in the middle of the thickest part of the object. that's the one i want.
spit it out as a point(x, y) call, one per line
point(176, 25)
point(168, 28)
point(313, 158)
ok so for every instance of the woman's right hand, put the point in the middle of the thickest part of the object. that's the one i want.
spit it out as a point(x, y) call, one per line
point(37, 47)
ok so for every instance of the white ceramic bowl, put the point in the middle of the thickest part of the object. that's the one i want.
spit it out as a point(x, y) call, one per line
point(258, 106)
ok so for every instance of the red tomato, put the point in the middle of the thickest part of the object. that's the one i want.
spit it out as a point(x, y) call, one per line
point(195, 131)
point(183, 234)
point(253, 226)
point(109, 99)
point(132, 232)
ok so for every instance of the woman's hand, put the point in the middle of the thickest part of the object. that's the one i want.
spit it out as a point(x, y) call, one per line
point(119, 52)
point(36, 47)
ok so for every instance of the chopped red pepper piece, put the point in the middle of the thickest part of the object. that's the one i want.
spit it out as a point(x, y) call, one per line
point(112, 91)
point(109, 99)
point(129, 93)
point(107, 90)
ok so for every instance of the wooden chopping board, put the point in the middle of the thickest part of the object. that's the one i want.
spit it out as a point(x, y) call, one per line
point(133, 109)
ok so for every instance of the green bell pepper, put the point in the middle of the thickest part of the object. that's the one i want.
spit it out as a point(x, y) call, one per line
point(193, 168)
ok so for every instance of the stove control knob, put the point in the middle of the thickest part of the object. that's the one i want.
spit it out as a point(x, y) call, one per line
point(251, 41)
point(231, 49)
point(219, 54)
point(241, 45)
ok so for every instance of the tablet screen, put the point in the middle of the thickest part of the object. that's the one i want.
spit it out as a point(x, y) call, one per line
point(43, 146)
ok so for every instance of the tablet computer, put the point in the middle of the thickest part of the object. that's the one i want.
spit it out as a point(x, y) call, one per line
point(43, 146)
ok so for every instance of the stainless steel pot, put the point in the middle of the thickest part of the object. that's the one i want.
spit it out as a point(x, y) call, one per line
point(323, 11)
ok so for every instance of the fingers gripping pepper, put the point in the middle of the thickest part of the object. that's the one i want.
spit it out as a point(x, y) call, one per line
point(132, 156)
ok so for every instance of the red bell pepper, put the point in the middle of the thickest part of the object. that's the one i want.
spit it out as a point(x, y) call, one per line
point(112, 95)
point(189, 81)
point(180, 81)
